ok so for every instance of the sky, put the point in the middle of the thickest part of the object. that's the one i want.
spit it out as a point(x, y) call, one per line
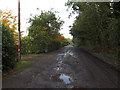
point(30, 7)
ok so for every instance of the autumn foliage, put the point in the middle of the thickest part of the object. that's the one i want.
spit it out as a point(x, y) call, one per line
point(43, 34)
point(9, 50)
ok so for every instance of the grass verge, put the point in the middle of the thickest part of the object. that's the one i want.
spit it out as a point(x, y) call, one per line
point(21, 65)
point(108, 58)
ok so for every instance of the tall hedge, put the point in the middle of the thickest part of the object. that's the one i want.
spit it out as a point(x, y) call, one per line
point(9, 50)
point(54, 45)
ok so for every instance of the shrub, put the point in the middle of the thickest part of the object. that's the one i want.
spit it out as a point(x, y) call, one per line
point(54, 45)
point(27, 45)
point(65, 43)
point(9, 49)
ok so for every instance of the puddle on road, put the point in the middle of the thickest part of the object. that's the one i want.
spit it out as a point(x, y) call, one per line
point(61, 78)
point(69, 53)
point(60, 62)
point(59, 58)
point(58, 68)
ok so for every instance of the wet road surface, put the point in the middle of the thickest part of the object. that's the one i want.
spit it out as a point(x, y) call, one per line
point(69, 67)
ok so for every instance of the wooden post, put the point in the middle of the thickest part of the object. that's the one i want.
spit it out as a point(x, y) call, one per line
point(19, 39)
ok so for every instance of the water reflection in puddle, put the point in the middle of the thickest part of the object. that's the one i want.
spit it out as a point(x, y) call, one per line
point(66, 79)
point(69, 53)
point(66, 54)
point(58, 68)
point(61, 78)
point(60, 62)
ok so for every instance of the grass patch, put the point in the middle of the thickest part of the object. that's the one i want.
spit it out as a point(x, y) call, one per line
point(21, 65)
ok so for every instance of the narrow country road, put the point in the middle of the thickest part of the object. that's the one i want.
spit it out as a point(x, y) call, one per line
point(69, 67)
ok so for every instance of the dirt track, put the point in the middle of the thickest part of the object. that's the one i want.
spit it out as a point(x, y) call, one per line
point(69, 67)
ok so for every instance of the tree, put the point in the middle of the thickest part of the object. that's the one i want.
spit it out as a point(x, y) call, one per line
point(90, 25)
point(97, 26)
point(43, 29)
point(27, 45)
point(9, 50)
